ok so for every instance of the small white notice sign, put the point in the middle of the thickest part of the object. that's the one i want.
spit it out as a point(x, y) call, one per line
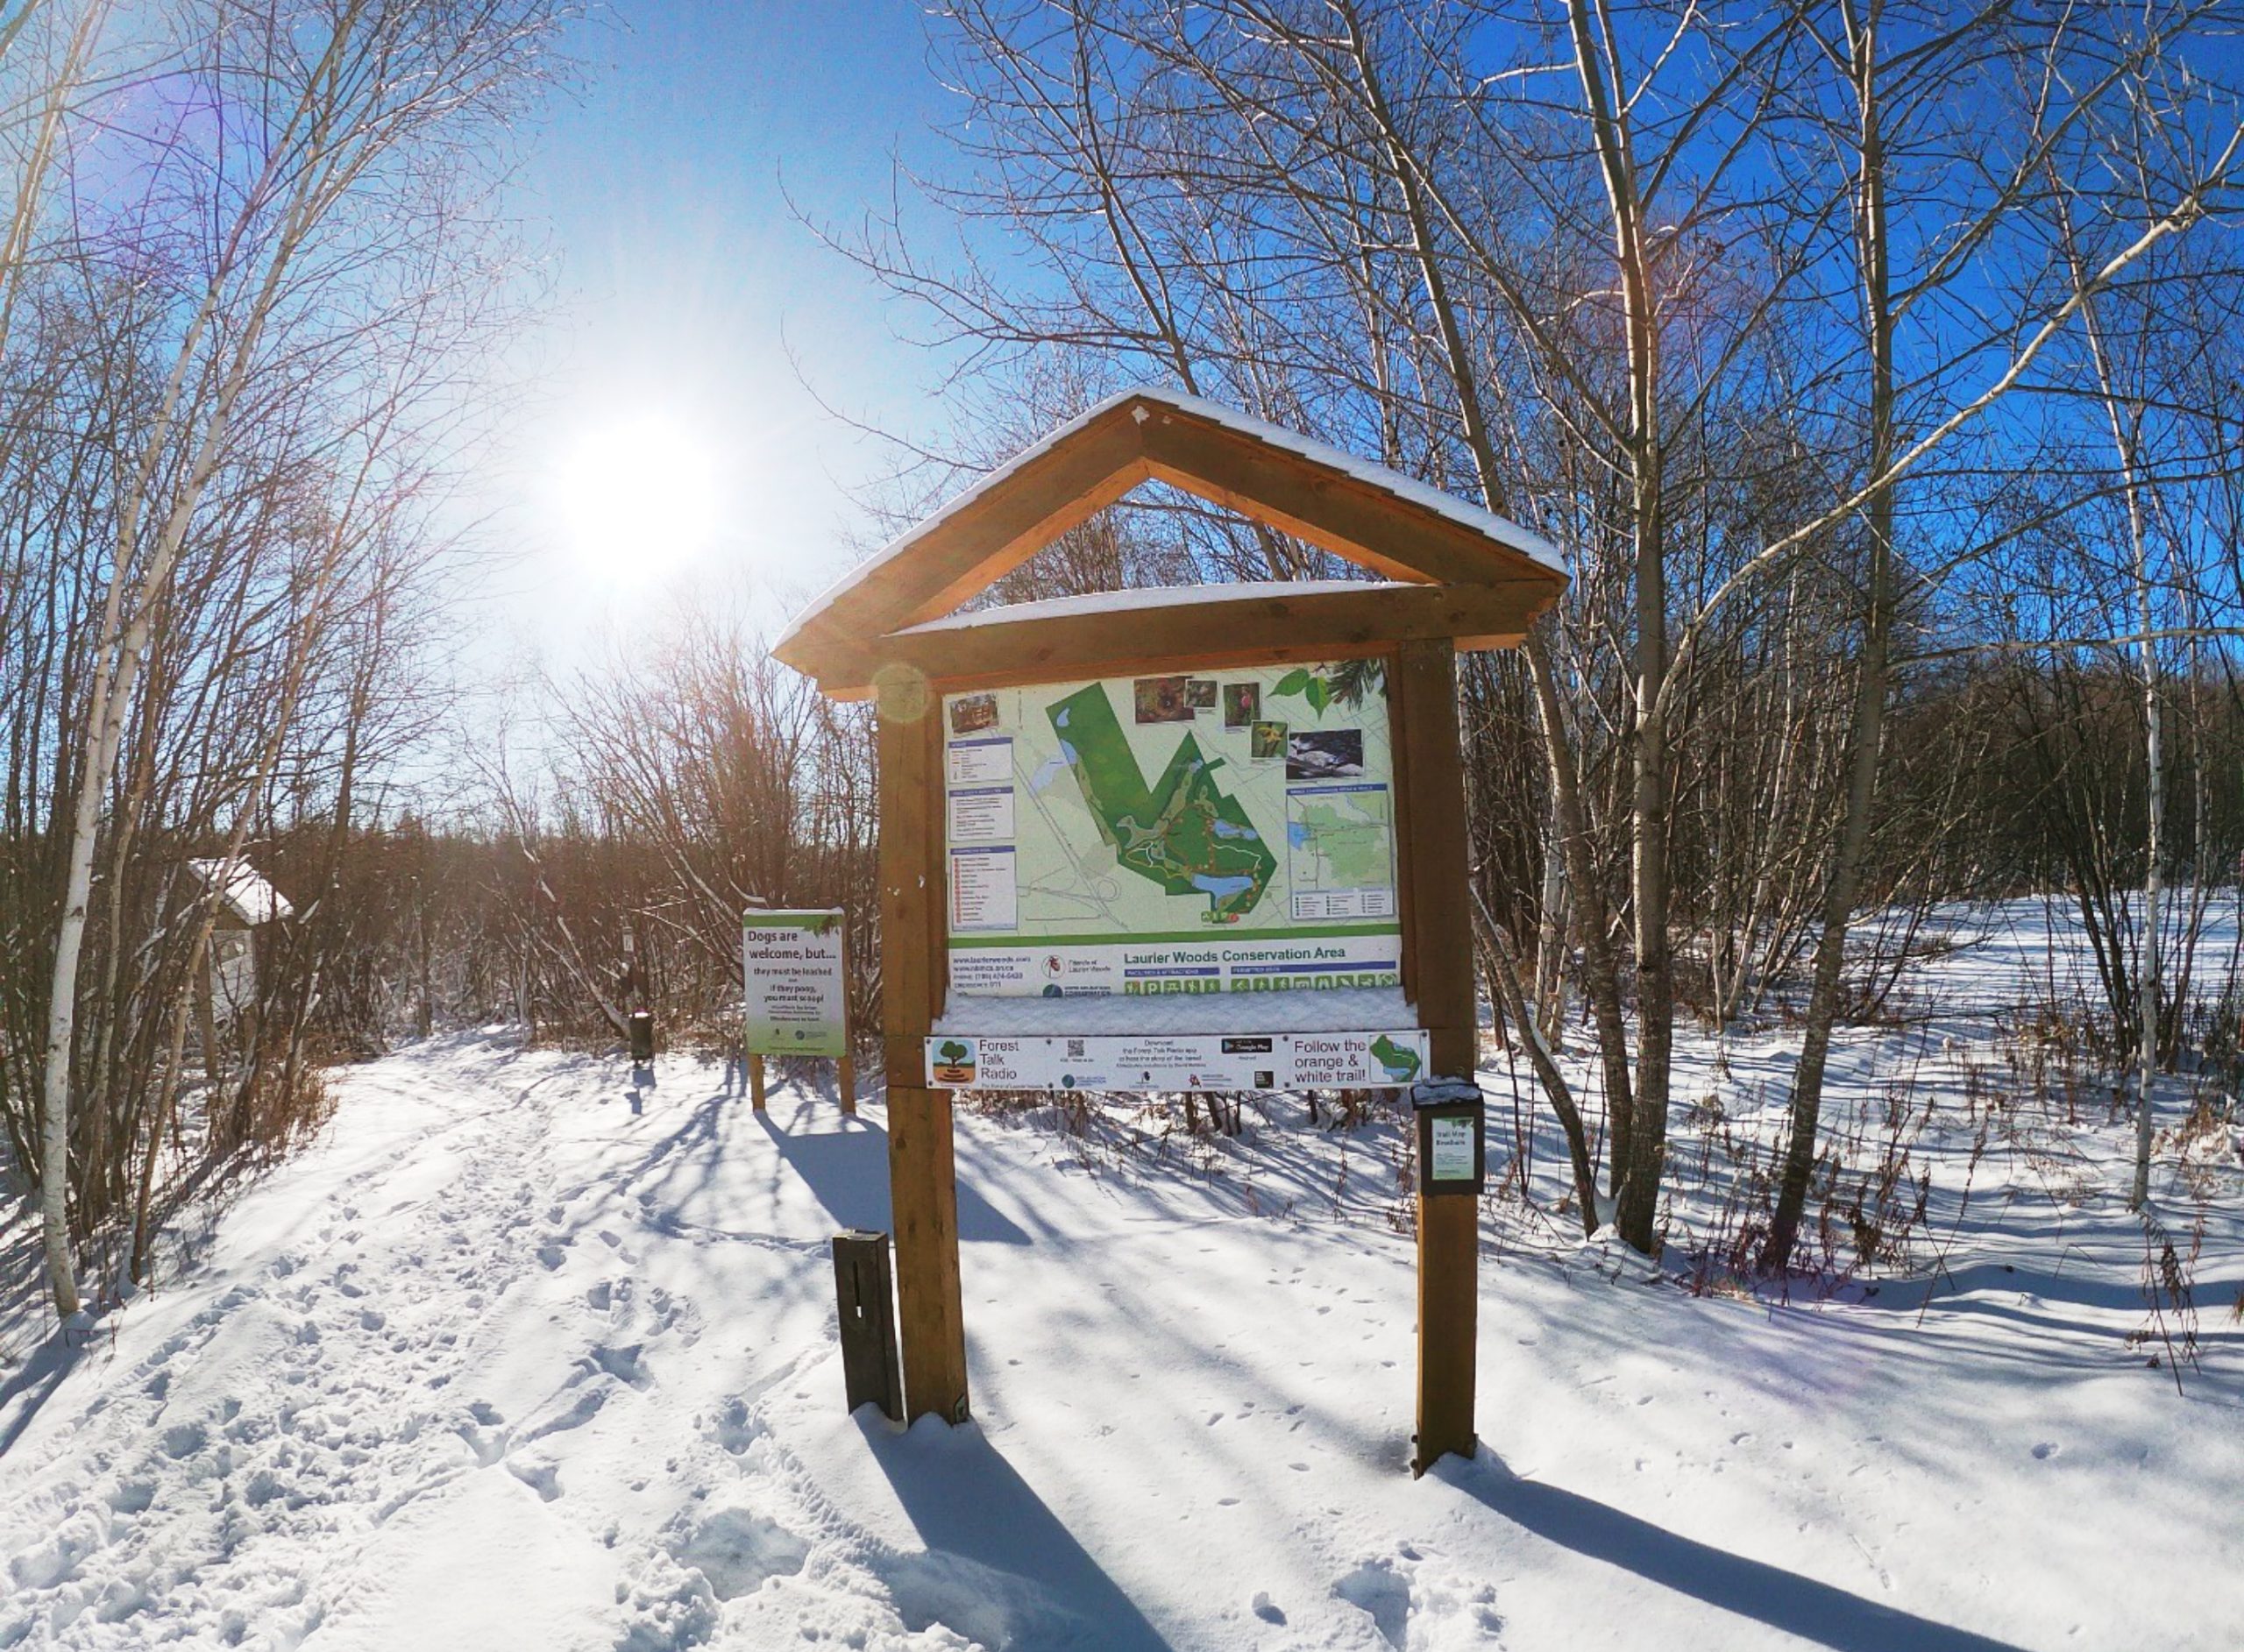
point(796, 993)
point(1451, 1159)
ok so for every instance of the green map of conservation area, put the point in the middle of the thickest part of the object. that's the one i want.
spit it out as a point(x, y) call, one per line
point(1226, 833)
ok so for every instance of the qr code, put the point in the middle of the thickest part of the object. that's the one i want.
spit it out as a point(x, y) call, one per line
point(1075, 1050)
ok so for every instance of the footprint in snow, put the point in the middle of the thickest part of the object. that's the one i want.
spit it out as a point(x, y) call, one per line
point(2047, 1450)
point(736, 1550)
point(540, 1473)
point(1376, 1588)
point(734, 1429)
point(1264, 1610)
point(623, 1364)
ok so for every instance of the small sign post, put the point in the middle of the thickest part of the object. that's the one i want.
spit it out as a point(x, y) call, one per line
point(866, 1310)
point(794, 971)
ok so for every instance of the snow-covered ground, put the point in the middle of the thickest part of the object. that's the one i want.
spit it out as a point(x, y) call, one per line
point(504, 1363)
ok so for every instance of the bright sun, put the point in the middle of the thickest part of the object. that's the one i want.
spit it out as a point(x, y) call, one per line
point(638, 495)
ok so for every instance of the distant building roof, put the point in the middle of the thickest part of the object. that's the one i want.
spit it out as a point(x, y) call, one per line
point(245, 896)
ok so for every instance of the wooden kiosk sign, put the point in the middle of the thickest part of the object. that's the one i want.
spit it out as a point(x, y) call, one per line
point(1170, 839)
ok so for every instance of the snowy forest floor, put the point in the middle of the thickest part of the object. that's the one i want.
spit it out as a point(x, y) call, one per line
point(503, 1361)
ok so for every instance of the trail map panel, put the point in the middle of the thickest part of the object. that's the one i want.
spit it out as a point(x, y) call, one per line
point(1226, 833)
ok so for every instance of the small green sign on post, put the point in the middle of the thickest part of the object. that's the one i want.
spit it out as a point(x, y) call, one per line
point(794, 974)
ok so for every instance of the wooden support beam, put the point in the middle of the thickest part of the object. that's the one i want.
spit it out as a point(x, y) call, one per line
point(1379, 521)
point(756, 1082)
point(979, 540)
point(1429, 782)
point(1337, 511)
point(923, 1197)
point(1257, 625)
point(923, 1204)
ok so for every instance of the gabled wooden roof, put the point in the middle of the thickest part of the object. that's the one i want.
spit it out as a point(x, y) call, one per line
point(1449, 569)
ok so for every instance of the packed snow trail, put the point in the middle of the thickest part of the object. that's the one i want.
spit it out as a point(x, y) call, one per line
point(503, 1362)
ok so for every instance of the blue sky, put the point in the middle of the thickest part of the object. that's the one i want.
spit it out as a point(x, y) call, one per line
point(683, 281)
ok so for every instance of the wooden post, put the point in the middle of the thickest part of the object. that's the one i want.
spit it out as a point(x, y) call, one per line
point(756, 1082)
point(845, 1080)
point(1436, 868)
point(867, 1314)
point(923, 1194)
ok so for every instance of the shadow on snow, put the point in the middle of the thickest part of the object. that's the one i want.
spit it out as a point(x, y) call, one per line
point(1817, 1611)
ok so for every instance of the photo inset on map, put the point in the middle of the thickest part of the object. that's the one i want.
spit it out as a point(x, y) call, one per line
point(1265, 742)
point(1324, 754)
point(1200, 693)
point(1162, 699)
point(1242, 703)
point(971, 714)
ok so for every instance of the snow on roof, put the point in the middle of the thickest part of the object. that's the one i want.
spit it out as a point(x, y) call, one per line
point(1502, 530)
point(1140, 597)
point(1505, 532)
point(247, 897)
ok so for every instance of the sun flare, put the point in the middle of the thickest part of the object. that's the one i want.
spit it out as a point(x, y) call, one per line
point(637, 495)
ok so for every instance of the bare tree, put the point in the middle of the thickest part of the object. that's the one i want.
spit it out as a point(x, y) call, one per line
point(219, 305)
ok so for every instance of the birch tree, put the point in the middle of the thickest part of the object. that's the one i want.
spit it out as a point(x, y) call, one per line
point(305, 139)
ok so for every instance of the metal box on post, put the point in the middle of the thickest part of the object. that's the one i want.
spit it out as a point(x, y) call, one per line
point(866, 1297)
point(1453, 1135)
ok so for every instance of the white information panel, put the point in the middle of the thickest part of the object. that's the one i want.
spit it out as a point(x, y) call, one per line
point(1452, 1149)
point(797, 999)
point(1183, 1061)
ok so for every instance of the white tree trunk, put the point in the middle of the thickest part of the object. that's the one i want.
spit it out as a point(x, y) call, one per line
point(104, 719)
point(2151, 972)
